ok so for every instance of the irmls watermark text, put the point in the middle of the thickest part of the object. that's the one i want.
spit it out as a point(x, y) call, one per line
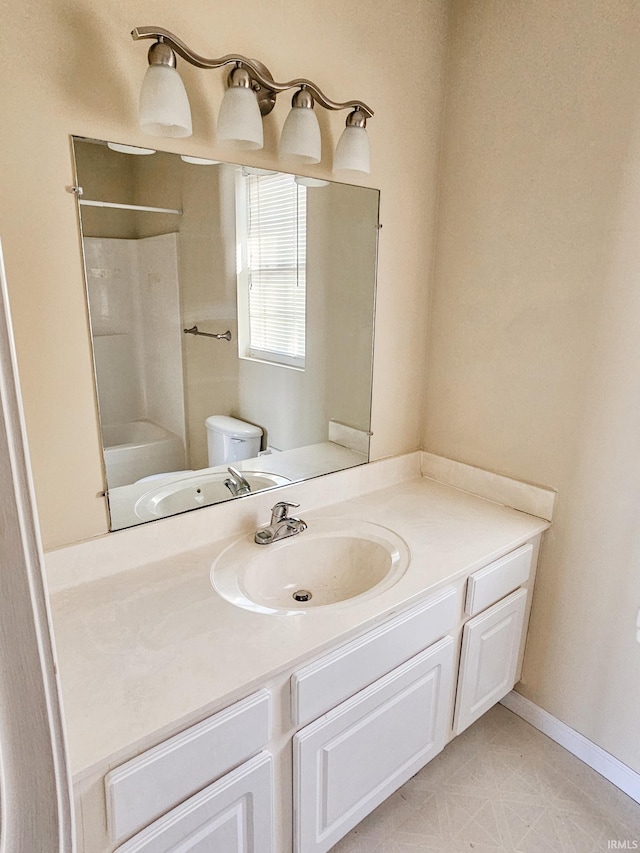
point(623, 844)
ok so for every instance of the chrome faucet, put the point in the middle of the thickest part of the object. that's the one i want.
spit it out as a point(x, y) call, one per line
point(282, 524)
point(236, 483)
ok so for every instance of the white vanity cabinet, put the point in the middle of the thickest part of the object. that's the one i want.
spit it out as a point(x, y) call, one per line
point(492, 640)
point(349, 728)
point(234, 815)
point(353, 757)
point(161, 800)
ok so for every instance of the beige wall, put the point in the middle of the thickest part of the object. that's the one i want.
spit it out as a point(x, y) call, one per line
point(208, 288)
point(104, 176)
point(349, 307)
point(534, 344)
point(107, 175)
point(536, 314)
point(73, 68)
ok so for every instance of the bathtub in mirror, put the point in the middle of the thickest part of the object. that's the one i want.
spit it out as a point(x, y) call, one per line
point(231, 313)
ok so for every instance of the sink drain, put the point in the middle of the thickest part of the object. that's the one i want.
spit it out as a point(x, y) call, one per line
point(302, 595)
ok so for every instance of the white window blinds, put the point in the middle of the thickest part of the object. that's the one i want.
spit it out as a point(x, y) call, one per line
point(276, 243)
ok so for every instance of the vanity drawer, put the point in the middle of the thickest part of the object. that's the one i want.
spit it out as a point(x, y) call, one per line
point(152, 783)
point(234, 815)
point(498, 579)
point(325, 683)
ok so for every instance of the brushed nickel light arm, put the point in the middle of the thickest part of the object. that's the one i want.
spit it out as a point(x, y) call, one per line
point(262, 82)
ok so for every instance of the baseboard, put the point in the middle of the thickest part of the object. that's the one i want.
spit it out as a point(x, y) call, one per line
point(594, 756)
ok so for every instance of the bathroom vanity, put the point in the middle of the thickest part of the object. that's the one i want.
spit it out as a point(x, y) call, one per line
point(194, 723)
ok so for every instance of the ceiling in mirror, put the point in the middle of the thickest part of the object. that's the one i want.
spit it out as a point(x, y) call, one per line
point(231, 313)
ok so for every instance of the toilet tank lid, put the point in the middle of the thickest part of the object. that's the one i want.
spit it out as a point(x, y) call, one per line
point(232, 426)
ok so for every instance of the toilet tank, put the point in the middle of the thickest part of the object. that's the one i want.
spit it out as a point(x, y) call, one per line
point(230, 439)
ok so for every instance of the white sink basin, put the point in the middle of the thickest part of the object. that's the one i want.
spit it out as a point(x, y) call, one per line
point(337, 561)
point(200, 490)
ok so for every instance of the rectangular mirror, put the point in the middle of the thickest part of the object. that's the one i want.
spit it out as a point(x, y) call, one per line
point(231, 314)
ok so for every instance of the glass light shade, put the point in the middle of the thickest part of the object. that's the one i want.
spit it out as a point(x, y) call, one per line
point(239, 120)
point(254, 170)
point(300, 140)
point(164, 105)
point(121, 148)
point(353, 152)
point(198, 161)
point(305, 181)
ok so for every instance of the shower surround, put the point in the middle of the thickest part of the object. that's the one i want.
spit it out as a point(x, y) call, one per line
point(137, 343)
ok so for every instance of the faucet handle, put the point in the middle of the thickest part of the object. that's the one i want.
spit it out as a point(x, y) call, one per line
point(280, 511)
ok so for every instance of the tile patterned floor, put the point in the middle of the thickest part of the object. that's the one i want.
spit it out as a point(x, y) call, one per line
point(500, 786)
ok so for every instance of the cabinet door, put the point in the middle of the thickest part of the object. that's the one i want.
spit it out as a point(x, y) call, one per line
point(234, 815)
point(353, 758)
point(489, 659)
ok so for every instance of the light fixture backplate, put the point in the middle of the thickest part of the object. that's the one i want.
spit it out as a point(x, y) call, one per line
point(266, 97)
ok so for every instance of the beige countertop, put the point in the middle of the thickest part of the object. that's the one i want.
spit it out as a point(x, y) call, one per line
point(146, 651)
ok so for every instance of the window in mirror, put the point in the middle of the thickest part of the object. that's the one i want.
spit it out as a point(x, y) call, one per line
point(272, 266)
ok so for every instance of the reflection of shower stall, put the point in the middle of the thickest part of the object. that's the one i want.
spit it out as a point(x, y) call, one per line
point(135, 318)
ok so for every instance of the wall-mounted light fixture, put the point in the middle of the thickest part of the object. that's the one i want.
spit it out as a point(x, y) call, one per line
point(250, 95)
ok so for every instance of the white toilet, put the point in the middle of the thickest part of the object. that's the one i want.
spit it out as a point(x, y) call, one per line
point(230, 440)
